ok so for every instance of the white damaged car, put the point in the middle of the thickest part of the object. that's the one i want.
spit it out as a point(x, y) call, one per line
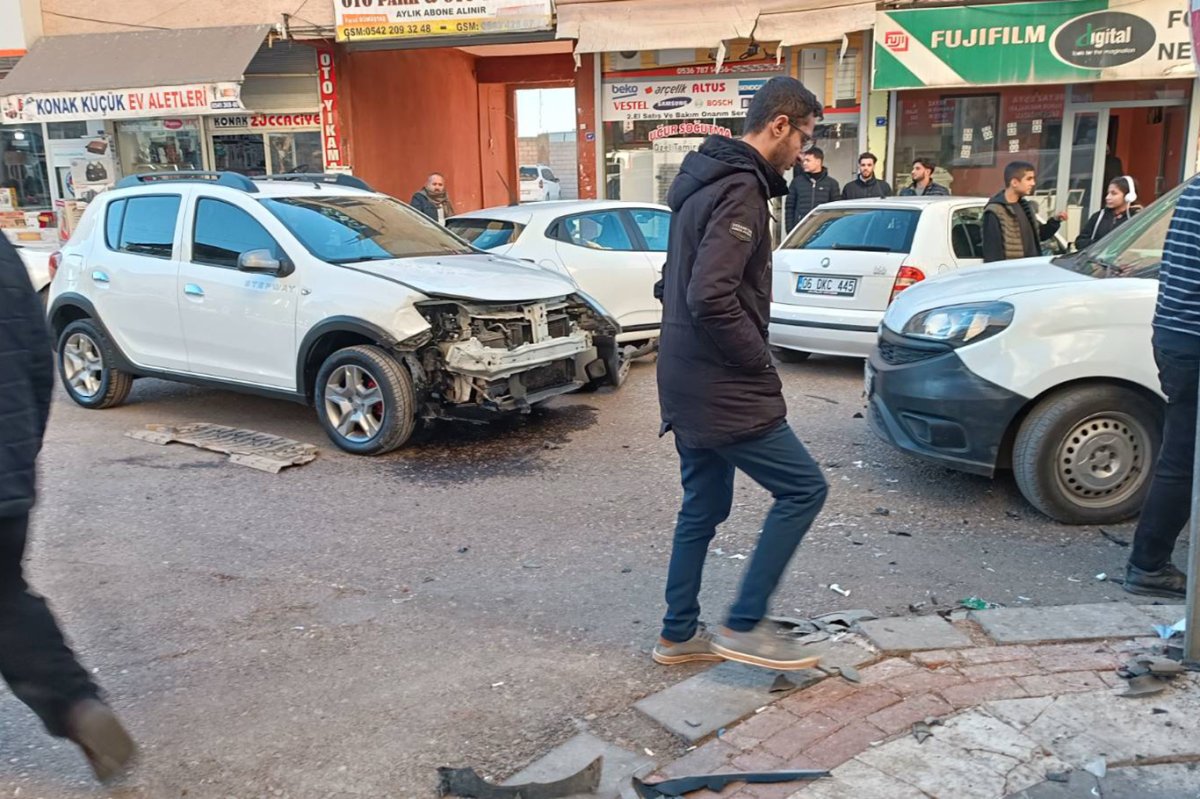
point(315, 289)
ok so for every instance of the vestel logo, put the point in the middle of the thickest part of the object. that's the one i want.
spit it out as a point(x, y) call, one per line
point(1103, 39)
point(896, 41)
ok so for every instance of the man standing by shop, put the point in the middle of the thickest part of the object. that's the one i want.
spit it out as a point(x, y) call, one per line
point(866, 186)
point(1010, 227)
point(922, 181)
point(719, 391)
point(35, 661)
point(811, 187)
point(1168, 506)
point(432, 199)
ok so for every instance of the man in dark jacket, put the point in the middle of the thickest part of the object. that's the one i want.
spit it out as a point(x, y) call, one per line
point(922, 181)
point(1010, 227)
point(35, 661)
point(866, 186)
point(718, 389)
point(811, 187)
point(433, 200)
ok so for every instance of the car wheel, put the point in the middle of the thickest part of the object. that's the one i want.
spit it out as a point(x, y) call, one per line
point(617, 364)
point(365, 400)
point(792, 356)
point(1085, 455)
point(85, 365)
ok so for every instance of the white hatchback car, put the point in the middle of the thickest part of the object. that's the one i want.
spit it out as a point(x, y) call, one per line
point(613, 251)
point(539, 184)
point(1042, 366)
point(315, 289)
point(844, 264)
point(37, 265)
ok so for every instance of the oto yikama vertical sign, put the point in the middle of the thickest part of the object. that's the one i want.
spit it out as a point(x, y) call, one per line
point(331, 133)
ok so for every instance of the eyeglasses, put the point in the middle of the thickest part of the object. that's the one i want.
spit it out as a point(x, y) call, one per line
point(807, 142)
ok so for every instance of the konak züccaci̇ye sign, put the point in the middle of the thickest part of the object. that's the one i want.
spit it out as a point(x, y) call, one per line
point(1023, 43)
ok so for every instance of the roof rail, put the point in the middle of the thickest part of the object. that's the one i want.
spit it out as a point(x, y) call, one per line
point(335, 178)
point(234, 180)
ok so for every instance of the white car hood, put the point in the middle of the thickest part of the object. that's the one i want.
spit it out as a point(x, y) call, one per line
point(986, 283)
point(471, 277)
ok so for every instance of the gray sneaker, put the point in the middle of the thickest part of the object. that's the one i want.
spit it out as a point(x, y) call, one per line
point(770, 645)
point(697, 648)
point(1168, 582)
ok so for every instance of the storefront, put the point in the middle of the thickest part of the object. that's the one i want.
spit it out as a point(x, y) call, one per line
point(72, 128)
point(658, 106)
point(1083, 93)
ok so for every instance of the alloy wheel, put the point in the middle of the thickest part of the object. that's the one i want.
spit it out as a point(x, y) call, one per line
point(83, 365)
point(354, 403)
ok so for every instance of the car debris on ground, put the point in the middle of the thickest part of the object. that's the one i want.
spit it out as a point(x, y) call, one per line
point(465, 783)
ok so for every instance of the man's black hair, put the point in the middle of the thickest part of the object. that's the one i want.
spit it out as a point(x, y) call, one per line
point(816, 152)
point(1017, 170)
point(925, 162)
point(781, 96)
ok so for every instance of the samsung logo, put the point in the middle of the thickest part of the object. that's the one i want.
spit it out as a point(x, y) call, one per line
point(672, 103)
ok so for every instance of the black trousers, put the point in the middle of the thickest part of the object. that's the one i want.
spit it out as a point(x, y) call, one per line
point(35, 661)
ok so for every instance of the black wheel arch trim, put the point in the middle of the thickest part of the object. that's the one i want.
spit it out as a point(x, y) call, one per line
point(337, 324)
point(73, 300)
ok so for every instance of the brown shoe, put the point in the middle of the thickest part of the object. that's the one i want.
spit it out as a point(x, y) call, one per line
point(94, 728)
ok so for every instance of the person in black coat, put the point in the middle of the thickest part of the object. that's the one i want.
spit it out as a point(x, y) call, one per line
point(718, 388)
point(922, 181)
point(1010, 227)
point(1118, 209)
point(866, 186)
point(35, 661)
point(812, 186)
point(433, 200)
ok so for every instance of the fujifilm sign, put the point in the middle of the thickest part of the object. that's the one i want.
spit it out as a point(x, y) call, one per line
point(988, 37)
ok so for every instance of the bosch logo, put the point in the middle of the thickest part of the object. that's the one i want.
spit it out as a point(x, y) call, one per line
point(896, 41)
point(671, 103)
point(624, 90)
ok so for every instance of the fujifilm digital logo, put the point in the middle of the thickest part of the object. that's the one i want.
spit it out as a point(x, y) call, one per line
point(1103, 39)
point(988, 37)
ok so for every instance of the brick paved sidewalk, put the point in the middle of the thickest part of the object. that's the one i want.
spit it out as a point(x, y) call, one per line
point(1011, 714)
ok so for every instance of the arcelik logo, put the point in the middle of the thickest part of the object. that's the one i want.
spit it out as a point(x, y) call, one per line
point(896, 41)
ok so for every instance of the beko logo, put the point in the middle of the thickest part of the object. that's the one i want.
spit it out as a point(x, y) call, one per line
point(624, 90)
point(671, 103)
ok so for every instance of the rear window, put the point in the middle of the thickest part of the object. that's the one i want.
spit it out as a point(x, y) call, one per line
point(486, 234)
point(148, 225)
point(861, 229)
point(529, 173)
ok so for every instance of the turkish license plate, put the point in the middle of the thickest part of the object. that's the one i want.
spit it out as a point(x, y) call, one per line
point(828, 286)
point(868, 380)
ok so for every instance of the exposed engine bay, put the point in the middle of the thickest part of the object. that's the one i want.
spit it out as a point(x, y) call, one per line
point(480, 358)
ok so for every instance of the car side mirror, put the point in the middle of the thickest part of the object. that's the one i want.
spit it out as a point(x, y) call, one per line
point(264, 262)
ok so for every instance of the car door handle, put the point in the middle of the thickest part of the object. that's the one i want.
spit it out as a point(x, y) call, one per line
point(192, 290)
point(99, 277)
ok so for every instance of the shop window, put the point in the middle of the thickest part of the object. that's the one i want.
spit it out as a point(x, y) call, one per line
point(155, 145)
point(602, 231)
point(223, 232)
point(148, 226)
point(240, 152)
point(655, 227)
point(295, 152)
point(24, 167)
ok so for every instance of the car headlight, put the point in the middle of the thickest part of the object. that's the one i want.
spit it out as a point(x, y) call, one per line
point(960, 324)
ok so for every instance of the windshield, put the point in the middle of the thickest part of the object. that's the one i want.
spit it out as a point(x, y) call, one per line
point(1132, 250)
point(345, 229)
point(861, 229)
point(529, 173)
point(486, 234)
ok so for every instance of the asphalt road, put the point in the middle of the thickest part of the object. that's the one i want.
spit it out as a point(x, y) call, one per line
point(344, 628)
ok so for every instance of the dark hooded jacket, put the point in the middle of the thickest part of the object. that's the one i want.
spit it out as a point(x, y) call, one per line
point(716, 382)
point(26, 380)
point(873, 189)
point(807, 192)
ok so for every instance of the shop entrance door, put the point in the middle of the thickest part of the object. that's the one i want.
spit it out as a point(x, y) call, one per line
point(1103, 141)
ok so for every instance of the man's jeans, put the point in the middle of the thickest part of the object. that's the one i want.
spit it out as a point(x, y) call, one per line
point(779, 463)
point(1169, 503)
point(35, 661)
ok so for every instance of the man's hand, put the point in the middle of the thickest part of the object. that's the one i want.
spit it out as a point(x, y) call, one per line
point(1061, 216)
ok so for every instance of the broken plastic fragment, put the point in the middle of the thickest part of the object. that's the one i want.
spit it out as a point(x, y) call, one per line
point(975, 603)
point(671, 789)
point(921, 732)
point(718, 551)
point(466, 783)
point(1167, 631)
point(738, 556)
point(1102, 576)
point(1145, 685)
point(782, 684)
point(1098, 768)
point(838, 589)
point(850, 674)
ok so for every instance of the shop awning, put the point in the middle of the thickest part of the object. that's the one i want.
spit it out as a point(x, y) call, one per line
point(134, 74)
point(601, 26)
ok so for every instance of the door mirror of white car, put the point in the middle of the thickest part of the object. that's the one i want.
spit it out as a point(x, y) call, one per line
point(264, 262)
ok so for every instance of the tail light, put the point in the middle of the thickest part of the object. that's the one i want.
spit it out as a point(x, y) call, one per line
point(908, 276)
point(55, 260)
